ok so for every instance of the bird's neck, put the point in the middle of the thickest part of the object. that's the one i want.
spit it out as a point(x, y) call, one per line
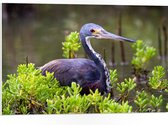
point(100, 63)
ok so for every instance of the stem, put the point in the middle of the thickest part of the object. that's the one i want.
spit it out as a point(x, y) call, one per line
point(121, 43)
point(159, 43)
point(27, 61)
point(165, 40)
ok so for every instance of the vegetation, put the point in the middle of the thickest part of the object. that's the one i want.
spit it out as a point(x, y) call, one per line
point(71, 45)
point(29, 92)
point(157, 81)
point(147, 103)
point(143, 54)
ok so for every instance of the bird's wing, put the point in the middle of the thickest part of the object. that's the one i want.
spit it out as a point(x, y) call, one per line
point(81, 71)
point(59, 68)
point(55, 66)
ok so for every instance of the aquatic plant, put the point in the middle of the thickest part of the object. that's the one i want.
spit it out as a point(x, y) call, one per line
point(148, 103)
point(156, 102)
point(71, 45)
point(157, 81)
point(141, 101)
point(29, 92)
point(143, 53)
point(73, 103)
point(113, 77)
point(142, 56)
point(125, 87)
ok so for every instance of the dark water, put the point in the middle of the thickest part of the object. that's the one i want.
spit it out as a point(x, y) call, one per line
point(37, 31)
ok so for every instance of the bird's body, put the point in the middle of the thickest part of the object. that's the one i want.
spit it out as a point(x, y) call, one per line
point(89, 74)
point(80, 70)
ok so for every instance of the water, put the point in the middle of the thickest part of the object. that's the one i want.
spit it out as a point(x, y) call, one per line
point(39, 30)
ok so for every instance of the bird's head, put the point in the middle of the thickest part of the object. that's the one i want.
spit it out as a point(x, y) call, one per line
point(91, 30)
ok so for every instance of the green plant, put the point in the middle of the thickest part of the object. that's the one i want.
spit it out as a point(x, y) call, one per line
point(143, 53)
point(125, 87)
point(71, 103)
point(146, 103)
point(142, 100)
point(71, 45)
point(113, 77)
point(27, 91)
point(110, 106)
point(92, 103)
point(156, 102)
point(156, 81)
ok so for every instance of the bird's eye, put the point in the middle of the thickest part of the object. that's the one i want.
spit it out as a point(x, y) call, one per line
point(92, 30)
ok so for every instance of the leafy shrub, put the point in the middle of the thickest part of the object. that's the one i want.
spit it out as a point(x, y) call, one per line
point(29, 92)
point(113, 77)
point(157, 81)
point(110, 106)
point(143, 53)
point(156, 102)
point(146, 103)
point(142, 101)
point(71, 45)
point(126, 86)
point(74, 103)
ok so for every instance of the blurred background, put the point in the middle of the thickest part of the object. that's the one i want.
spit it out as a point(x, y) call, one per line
point(38, 30)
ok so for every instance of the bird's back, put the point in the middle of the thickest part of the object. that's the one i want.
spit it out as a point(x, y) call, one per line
point(82, 71)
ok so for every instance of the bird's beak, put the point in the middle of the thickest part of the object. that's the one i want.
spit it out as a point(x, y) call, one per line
point(107, 35)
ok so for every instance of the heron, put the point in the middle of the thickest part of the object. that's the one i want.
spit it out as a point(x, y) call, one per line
point(90, 74)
